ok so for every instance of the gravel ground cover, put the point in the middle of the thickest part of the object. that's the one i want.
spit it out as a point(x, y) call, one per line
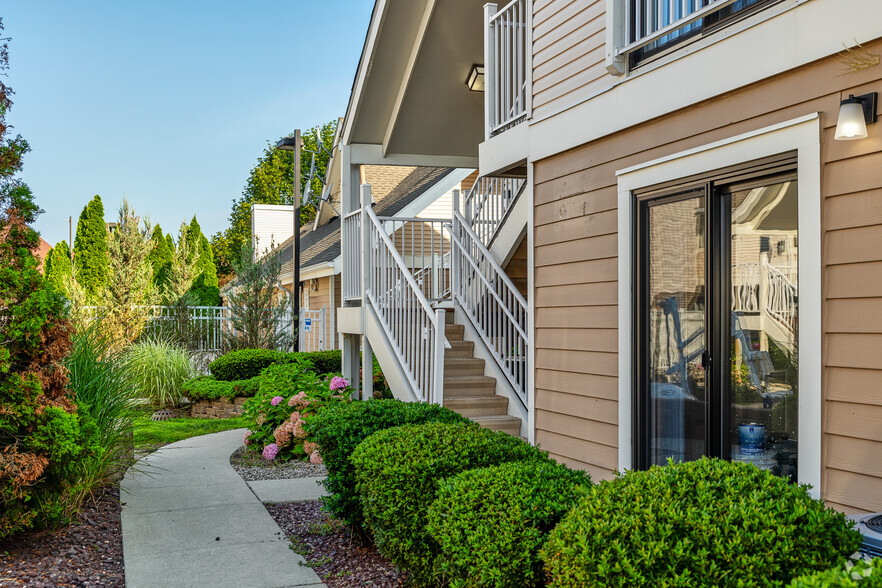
point(253, 467)
point(88, 553)
point(338, 557)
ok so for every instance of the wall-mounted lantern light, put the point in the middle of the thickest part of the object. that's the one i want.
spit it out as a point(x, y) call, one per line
point(475, 81)
point(855, 113)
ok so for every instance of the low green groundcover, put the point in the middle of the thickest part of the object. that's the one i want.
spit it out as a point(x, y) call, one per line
point(703, 523)
point(210, 388)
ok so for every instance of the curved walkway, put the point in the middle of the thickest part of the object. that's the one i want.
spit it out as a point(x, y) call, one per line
point(189, 519)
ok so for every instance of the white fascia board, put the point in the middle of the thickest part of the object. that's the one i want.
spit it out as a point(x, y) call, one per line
point(364, 66)
point(319, 270)
point(444, 185)
point(283, 207)
point(372, 154)
point(806, 30)
point(802, 134)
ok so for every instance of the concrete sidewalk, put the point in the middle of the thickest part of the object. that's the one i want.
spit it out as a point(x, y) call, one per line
point(189, 519)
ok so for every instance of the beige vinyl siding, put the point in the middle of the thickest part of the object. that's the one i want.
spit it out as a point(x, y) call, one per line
point(568, 52)
point(575, 285)
point(321, 298)
point(516, 268)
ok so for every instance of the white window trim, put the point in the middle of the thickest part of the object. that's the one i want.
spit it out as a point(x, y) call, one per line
point(800, 134)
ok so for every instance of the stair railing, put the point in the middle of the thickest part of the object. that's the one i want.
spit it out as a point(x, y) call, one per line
point(414, 328)
point(491, 301)
point(488, 203)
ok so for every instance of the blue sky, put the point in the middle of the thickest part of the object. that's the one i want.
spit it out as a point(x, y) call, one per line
point(169, 102)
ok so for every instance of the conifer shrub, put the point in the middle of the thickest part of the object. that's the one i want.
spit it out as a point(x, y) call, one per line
point(490, 523)
point(703, 523)
point(398, 472)
point(91, 258)
point(340, 429)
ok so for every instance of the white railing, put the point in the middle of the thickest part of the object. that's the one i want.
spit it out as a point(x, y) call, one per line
point(492, 302)
point(745, 287)
point(424, 246)
point(312, 330)
point(413, 327)
point(488, 203)
point(781, 298)
point(505, 58)
point(352, 256)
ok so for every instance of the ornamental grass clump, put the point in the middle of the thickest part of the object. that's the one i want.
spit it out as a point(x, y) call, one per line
point(703, 523)
point(399, 471)
point(158, 369)
point(340, 429)
point(287, 396)
point(490, 523)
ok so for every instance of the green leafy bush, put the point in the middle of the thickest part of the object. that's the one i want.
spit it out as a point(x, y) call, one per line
point(158, 369)
point(862, 573)
point(209, 388)
point(248, 363)
point(490, 523)
point(339, 431)
point(399, 471)
point(702, 523)
point(288, 394)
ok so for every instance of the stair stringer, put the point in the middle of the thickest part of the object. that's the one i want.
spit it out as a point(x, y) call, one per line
point(387, 356)
point(511, 231)
point(492, 369)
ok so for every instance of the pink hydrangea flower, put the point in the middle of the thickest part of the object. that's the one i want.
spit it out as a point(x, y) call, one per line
point(282, 434)
point(247, 439)
point(299, 431)
point(270, 452)
point(309, 446)
point(276, 400)
point(295, 416)
point(338, 383)
point(299, 400)
point(316, 458)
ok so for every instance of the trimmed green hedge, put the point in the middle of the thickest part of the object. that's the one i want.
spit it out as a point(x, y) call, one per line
point(490, 523)
point(399, 471)
point(852, 574)
point(341, 428)
point(703, 523)
point(209, 388)
point(248, 363)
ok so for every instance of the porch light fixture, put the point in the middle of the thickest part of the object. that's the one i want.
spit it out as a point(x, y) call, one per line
point(855, 113)
point(475, 81)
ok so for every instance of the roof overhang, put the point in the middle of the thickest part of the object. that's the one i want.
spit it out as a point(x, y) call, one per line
point(410, 98)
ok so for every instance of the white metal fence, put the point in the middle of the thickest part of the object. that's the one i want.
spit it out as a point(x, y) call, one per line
point(505, 59)
point(488, 202)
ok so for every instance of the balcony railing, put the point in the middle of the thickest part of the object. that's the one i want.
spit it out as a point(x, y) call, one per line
point(505, 58)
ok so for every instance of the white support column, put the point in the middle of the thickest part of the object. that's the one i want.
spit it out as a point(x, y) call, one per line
point(350, 362)
point(438, 373)
point(367, 369)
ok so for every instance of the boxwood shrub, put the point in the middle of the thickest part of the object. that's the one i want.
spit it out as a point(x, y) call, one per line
point(341, 428)
point(703, 523)
point(248, 363)
point(853, 574)
point(210, 388)
point(490, 523)
point(398, 472)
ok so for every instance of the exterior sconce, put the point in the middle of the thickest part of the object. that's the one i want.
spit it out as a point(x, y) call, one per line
point(855, 113)
point(475, 81)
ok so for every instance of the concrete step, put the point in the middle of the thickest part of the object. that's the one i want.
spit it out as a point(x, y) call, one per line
point(454, 332)
point(460, 349)
point(462, 366)
point(469, 386)
point(478, 406)
point(507, 424)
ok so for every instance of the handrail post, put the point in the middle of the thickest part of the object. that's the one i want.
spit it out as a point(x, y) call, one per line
point(438, 372)
point(454, 258)
point(365, 239)
point(489, 70)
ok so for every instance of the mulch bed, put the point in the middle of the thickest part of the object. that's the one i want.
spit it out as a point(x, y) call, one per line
point(337, 556)
point(88, 553)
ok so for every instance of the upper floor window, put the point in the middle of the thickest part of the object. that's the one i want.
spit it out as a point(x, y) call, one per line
point(654, 26)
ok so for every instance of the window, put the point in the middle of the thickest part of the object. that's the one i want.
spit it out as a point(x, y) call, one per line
point(716, 321)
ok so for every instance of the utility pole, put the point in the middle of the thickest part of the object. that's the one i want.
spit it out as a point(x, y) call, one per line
point(295, 144)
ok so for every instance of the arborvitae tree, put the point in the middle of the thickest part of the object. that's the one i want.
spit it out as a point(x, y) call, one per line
point(205, 286)
point(90, 250)
point(57, 268)
point(160, 258)
point(182, 272)
point(130, 286)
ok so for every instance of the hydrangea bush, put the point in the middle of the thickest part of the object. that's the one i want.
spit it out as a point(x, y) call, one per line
point(289, 393)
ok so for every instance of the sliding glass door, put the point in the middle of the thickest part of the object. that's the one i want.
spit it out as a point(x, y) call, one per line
point(717, 313)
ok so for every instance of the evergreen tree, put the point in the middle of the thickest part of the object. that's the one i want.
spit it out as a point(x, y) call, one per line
point(91, 258)
point(205, 286)
point(160, 258)
point(57, 268)
point(181, 274)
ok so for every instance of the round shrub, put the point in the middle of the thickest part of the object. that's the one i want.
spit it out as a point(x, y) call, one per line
point(158, 369)
point(862, 573)
point(243, 364)
point(703, 523)
point(324, 362)
point(341, 428)
point(491, 522)
point(398, 472)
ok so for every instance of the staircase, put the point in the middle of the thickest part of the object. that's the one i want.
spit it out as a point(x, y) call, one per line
point(468, 391)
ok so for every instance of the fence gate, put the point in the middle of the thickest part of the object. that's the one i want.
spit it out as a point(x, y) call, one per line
point(312, 330)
